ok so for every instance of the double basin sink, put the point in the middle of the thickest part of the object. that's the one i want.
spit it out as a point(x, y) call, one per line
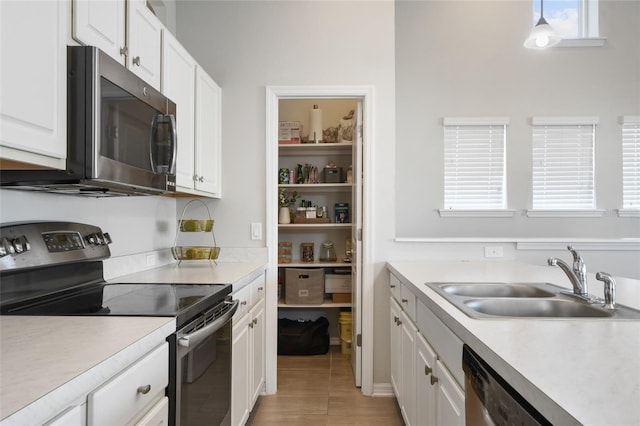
point(525, 300)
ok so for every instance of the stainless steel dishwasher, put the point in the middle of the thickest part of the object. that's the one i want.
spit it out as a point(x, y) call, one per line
point(490, 400)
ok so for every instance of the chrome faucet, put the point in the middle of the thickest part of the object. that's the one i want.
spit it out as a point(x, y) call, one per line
point(609, 289)
point(577, 274)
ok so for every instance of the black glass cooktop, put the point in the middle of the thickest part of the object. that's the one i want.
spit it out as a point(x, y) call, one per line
point(184, 301)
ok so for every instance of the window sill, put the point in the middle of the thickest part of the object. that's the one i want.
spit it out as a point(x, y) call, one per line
point(477, 213)
point(565, 213)
point(582, 42)
point(629, 213)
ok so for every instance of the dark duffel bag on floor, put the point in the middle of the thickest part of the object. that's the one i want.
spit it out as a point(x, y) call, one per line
point(297, 337)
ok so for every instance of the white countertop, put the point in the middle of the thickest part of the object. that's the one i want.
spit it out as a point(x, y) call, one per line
point(46, 363)
point(583, 371)
point(198, 272)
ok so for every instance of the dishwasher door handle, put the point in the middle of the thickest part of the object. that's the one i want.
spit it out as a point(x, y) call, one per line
point(193, 339)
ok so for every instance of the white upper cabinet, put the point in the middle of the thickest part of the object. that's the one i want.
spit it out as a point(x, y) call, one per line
point(144, 42)
point(33, 82)
point(208, 135)
point(198, 109)
point(178, 84)
point(101, 24)
point(126, 31)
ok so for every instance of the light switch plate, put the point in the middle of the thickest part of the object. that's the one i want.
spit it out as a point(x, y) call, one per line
point(256, 231)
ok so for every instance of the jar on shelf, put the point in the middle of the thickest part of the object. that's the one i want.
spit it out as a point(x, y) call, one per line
point(306, 252)
point(328, 252)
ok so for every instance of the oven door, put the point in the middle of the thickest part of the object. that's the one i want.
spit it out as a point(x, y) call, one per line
point(200, 376)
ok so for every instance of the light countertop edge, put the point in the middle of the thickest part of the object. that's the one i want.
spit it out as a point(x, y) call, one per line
point(573, 380)
point(238, 274)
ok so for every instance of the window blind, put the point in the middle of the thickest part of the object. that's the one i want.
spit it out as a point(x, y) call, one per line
point(631, 162)
point(563, 164)
point(474, 169)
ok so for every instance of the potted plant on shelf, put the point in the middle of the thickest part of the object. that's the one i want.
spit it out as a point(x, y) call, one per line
point(285, 199)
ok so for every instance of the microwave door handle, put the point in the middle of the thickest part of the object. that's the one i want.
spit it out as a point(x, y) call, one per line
point(169, 119)
point(195, 338)
point(174, 143)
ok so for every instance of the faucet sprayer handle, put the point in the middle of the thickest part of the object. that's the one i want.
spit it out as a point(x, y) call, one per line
point(609, 289)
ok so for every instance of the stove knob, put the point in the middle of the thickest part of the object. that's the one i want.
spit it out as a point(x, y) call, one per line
point(91, 239)
point(6, 247)
point(107, 238)
point(99, 240)
point(21, 244)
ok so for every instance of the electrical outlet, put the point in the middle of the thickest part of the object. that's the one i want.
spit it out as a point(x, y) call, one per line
point(151, 260)
point(256, 231)
point(493, 252)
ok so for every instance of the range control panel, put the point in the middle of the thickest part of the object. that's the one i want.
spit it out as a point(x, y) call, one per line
point(35, 244)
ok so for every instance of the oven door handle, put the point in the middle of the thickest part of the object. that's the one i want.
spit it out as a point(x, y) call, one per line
point(195, 338)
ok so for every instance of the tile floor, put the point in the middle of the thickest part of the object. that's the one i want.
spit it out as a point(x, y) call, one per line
point(319, 390)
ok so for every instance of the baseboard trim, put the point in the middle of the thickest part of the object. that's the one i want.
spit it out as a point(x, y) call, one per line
point(383, 389)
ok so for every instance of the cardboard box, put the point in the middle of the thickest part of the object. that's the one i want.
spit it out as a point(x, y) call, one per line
point(304, 286)
point(341, 297)
point(337, 283)
point(289, 132)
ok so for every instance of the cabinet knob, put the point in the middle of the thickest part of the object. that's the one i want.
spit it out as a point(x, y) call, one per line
point(405, 300)
point(244, 302)
point(396, 319)
point(124, 51)
point(251, 325)
point(434, 380)
point(144, 389)
point(136, 61)
point(260, 288)
point(195, 178)
point(392, 285)
point(427, 370)
point(255, 320)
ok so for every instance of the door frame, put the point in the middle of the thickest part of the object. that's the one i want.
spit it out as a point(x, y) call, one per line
point(273, 95)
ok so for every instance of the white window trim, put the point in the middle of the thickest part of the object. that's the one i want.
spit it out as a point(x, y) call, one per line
point(589, 25)
point(582, 42)
point(478, 121)
point(477, 213)
point(629, 212)
point(565, 213)
point(558, 121)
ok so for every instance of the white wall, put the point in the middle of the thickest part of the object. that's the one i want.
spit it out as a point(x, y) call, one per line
point(465, 58)
point(136, 224)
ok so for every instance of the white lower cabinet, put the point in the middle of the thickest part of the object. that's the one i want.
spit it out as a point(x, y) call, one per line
point(240, 371)
point(426, 390)
point(426, 382)
point(133, 393)
point(408, 368)
point(248, 350)
point(449, 398)
point(75, 416)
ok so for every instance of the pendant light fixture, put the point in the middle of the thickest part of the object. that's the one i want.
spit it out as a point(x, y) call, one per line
point(542, 35)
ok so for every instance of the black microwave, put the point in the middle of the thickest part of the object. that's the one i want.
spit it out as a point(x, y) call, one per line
point(121, 134)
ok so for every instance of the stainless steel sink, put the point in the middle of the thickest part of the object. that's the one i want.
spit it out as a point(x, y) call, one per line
point(554, 308)
point(498, 290)
point(525, 300)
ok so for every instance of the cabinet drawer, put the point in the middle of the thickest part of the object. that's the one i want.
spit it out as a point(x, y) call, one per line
point(257, 289)
point(408, 301)
point(244, 301)
point(394, 287)
point(119, 400)
point(158, 415)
